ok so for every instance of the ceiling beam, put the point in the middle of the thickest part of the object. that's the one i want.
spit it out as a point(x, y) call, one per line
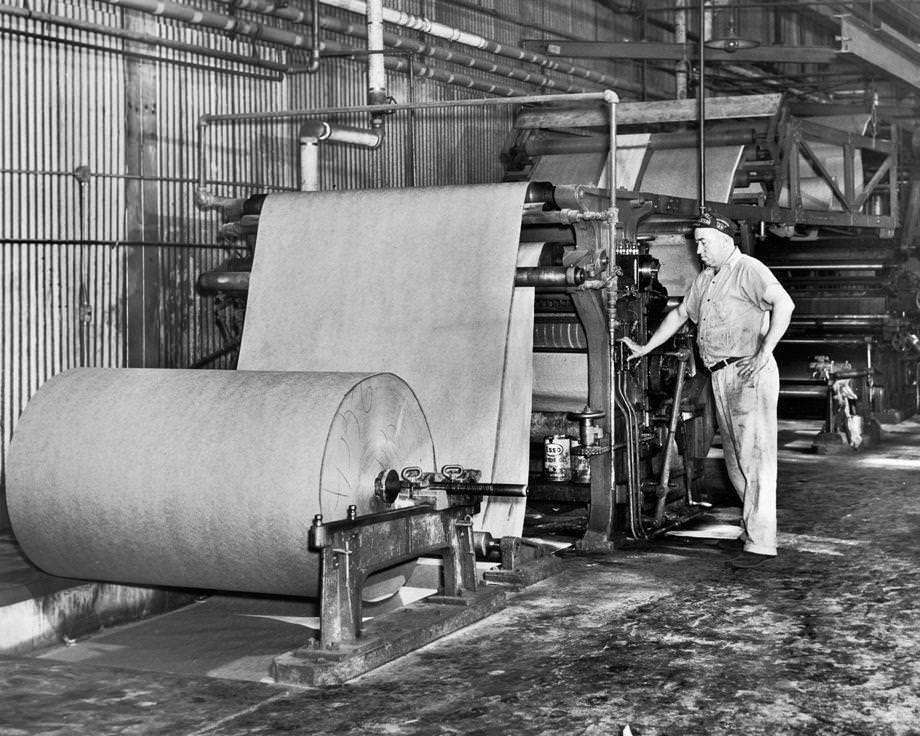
point(879, 50)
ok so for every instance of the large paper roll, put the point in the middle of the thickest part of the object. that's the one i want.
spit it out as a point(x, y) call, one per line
point(202, 479)
point(418, 282)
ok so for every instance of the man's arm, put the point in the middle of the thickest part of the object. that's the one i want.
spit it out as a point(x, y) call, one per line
point(669, 326)
point(781, 308)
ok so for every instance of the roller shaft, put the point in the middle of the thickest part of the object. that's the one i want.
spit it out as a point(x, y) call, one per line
point(237, 282)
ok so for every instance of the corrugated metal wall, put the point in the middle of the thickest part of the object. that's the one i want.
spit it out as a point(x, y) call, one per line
point(101, 241)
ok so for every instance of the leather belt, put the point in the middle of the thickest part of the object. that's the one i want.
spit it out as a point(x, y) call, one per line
point(722, 363)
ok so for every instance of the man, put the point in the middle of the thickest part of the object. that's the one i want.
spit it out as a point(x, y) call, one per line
point(741, 312)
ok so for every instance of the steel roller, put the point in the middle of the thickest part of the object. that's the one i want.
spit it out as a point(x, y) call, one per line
point(202, 479)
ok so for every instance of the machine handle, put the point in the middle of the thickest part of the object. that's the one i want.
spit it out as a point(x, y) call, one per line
point(413, 472)
point(453, 472)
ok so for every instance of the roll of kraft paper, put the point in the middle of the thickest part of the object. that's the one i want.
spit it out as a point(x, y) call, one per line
point(418, 282)
point(202, 479)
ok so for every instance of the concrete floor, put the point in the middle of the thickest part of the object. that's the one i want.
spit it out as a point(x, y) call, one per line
point(665, 639)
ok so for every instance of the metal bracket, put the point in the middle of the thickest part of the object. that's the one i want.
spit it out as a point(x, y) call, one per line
point(352, 549)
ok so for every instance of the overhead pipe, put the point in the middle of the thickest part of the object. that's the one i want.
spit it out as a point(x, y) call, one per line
point(207, 120)
point(438, 75)
point(420, 48)
point(377, 93)
point(142, 38)
point(176, 11)
point(197, 17)
point(455, 35)
point(393, 40)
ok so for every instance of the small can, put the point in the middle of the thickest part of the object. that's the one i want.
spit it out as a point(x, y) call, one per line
point(581, 467)
point(557, 463)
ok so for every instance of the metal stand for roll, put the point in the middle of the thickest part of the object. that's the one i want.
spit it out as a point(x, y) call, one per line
point(353, 548)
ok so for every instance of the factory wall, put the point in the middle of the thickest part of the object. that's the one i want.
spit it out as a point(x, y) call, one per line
point(101, 239)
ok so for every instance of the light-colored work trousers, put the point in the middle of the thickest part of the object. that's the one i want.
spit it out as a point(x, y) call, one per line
point(747, 420)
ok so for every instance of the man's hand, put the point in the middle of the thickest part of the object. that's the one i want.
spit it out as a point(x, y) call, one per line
point(635, 348)
point(750, 367)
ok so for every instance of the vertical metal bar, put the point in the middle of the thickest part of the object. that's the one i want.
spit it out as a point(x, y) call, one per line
point(894, 207)
point(849, 173)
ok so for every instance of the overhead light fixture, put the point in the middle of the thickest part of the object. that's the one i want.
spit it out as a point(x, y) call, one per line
point(731, 41)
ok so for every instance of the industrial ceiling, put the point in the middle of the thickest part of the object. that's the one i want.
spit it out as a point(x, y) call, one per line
point(860, 51)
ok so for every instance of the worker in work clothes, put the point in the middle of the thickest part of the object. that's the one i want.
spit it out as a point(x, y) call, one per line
point(741, 312)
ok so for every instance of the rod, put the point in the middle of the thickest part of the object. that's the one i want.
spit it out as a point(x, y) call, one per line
point(112, 243)
point(840, 266)
point(661, 492)
point(702, 105)
point(507, 490)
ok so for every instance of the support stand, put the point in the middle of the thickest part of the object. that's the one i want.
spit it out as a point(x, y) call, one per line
point(354, 548)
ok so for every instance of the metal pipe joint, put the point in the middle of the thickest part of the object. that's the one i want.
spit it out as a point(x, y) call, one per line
point(322, 130)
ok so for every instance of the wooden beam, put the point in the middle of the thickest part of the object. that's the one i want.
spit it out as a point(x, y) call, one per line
point(659, 111)
point(141, 205)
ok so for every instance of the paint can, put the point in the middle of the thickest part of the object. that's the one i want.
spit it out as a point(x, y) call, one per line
point(557, 463)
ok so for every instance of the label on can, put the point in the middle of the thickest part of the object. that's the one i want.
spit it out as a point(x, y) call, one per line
point(557, 463)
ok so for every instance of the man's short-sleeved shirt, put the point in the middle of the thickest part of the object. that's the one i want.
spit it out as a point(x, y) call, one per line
point(729, 309)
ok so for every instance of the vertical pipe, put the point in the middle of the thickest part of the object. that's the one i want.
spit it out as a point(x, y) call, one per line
point(314, 37)
point(702, 105)
point(376, 73)
point(309, 164)
point(680, 36)
point(611, 99)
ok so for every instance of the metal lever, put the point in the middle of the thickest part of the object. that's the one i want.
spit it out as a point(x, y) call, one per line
point(661, 492)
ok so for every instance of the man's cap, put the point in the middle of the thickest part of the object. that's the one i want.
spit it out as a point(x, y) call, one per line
point(717, 222)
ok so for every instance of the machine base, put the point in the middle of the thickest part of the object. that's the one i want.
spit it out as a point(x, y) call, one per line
point(386, 638)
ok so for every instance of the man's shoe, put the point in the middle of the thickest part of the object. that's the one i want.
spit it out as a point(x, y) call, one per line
point(731, 545)
point(748, 560)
